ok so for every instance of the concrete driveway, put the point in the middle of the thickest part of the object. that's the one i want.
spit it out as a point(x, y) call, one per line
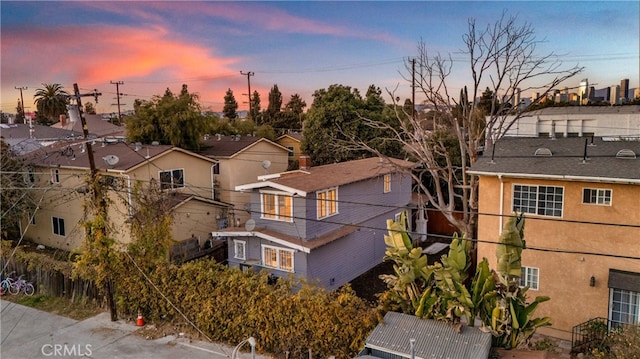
point(30, 333)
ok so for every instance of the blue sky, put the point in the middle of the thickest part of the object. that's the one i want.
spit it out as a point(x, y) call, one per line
point(300, 46)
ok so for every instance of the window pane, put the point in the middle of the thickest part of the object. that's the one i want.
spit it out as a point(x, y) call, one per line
point(270, 257)
point(332, 201)
point(322, 204)
point(268, 205)
point(286, 260)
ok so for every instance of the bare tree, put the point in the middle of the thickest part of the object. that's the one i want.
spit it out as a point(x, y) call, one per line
point(503, 62)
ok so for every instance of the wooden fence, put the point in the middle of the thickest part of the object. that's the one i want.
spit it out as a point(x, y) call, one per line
point(52, 282)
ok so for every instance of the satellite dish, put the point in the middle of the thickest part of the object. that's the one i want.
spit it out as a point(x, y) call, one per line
point(250, 225)
point(111, 160)
point(266, 164)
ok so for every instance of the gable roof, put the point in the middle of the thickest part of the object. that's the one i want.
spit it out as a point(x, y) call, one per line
point(97, 126)
point(433, 339)
point(515, 157)
point(327, 176)
point(297, 136)
point(129, 156)
point(218, 146)
point(22, 140)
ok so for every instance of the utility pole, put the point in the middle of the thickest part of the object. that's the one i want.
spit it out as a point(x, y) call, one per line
point(249, 74)
point(22, 101)
point(413, 90)
point(98, 198)
point(118, 83)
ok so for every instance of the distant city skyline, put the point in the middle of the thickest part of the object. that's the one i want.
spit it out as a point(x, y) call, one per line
point(299, 46)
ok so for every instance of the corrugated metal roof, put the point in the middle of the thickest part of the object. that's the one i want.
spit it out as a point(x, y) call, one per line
point(433, 339)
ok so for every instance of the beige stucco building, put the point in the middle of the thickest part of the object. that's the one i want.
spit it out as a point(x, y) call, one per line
point(60, 173)
point(581, 203)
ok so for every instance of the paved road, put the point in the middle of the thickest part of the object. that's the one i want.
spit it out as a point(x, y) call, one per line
point(32, 333)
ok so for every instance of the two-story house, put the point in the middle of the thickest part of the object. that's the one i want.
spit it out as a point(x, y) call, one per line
point(291, 141)
point(581, 201)
point(240, 160)
point(59, 177)
point(323, 223)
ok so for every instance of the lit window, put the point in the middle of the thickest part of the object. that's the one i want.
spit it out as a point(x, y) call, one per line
point(542, 200)
point(277, 206)
point(327, 202)
point(596, 196)
point(529, 277)
point(58, 226)
point(387, 183)
point(277, 258)
point(172, 179)
point(239, 248)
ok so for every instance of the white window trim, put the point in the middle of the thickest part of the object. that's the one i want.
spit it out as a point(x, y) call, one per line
point(326, 191)
point(386, 178)
point(525, 274)
point(513, 197)
point(598, 190)
point(60, 219)
point(55, 175)
point(287, 217)
point(236, 255)
point(173, 186)
point(278, 264)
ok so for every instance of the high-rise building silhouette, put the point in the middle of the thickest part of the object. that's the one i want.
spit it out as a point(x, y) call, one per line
point(624, 89)
point(614, 97)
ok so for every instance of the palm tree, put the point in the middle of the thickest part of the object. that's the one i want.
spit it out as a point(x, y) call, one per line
point(51, 101)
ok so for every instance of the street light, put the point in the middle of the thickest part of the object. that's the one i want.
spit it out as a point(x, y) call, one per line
point(251, 341)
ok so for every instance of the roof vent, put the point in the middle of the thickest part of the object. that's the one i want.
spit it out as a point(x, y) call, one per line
point(626, 154)
point(543, 151)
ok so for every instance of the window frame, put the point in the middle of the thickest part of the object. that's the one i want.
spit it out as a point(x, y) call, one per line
point(278, 252)
point(276, 214)
point(173, 185)
point(57, 226)
point(55, 175)
point(598, 196)
point(537, 202)
point(387, 183)
point(530, 277)
point(237, 244)
point(325, 205)
point(628, 304)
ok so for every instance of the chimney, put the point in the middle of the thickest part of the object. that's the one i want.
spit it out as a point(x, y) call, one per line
point(304, 162)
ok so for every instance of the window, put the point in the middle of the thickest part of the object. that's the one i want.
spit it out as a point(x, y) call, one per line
point(624, 306)
point(239, 248)
point(291, 149)
point(387, 183)
point(542, 200)
point(596, 196)
point(327, 202)
point(55, 176)
point(58, 226)
point(277, 206)
point(278, 258)
point(529, 277)
point(171, 179)
point(30, 176)
point(215, 169)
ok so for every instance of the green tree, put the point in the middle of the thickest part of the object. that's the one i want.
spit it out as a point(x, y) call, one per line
point(19, 113)
point(230, 106)
point(89, 108)
point(16, 178)
point(255, 114)
point(51, 102)
point(170, 119)
point(294, 109)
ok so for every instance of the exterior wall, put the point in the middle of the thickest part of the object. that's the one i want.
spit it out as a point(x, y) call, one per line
point(564, 277)
point(254, 257)
point(196, 219)
point(607, 123)
point(293, 143)
point(245, 167)
point(343, 260)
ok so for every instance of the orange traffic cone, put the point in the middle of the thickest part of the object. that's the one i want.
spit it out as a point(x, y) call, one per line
point(140, 321)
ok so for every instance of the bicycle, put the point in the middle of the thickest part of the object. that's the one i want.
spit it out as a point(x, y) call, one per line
point(22, 285)
point(6, 283)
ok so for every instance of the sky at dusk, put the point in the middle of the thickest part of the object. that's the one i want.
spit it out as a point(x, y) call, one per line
point(299, 46)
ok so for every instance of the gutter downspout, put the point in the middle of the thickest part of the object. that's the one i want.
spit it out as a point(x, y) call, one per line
point(501, 210)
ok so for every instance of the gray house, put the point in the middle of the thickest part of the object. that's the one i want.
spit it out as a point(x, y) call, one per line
point(324, 223)
point(401, 336)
